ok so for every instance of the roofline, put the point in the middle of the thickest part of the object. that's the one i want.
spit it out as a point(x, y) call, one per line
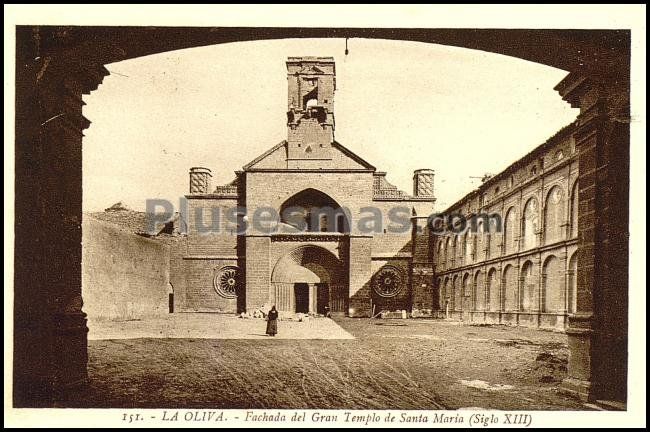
point(336, 144)
point(263, 155)
point(554, 139)
point(311, 170)
point(353, 155)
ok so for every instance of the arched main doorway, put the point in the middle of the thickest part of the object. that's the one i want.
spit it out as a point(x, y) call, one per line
point(309, 279)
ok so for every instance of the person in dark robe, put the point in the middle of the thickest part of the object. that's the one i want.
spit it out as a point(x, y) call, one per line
point(272, 322)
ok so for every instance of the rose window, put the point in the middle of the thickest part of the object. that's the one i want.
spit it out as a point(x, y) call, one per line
point(388, 282)
point(226, 281)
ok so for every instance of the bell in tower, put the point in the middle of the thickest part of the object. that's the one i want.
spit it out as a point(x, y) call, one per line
point(310, 114)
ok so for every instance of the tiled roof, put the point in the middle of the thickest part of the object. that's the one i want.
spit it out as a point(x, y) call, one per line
point(131, 221)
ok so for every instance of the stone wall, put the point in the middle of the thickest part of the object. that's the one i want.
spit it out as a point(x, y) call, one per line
point(359, 279)
point(210, 246)
point(124, 275)
point(193, 281)
point(402, 299)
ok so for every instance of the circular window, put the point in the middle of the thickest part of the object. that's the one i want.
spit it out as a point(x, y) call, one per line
point(227, 281)
point(388, 282)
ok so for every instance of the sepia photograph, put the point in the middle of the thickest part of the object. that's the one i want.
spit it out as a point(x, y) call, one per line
point(263, 217)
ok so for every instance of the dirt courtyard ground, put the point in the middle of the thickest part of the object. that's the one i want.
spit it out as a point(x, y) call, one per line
point(396, 364)
point(212, 326)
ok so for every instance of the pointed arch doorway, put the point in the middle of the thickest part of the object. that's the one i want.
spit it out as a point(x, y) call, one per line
point(309, 279)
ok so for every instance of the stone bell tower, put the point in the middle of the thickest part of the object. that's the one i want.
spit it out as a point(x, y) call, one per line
point(310, 113)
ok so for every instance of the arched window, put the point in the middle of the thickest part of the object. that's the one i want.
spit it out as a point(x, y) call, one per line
point(510, 288)
point(492, 294)
point(530, 224)
point(574, 211)
point(554, 215)
point(458, 294)
point(553, 286)
point(479, 291)
point(509, 227)
point(480, 241)
point(170, 293)
point(466, 283)
point(528, 295)
point(494, 234)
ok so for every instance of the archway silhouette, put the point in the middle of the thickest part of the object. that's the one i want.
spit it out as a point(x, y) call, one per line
point(56, 65)
point(311, 210)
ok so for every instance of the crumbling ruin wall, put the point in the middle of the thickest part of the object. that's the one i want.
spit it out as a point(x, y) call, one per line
point(124, 275)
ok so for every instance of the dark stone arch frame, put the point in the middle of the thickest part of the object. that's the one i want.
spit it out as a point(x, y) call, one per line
point(56, 65)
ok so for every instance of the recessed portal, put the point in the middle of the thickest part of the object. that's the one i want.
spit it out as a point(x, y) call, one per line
point(309, 279)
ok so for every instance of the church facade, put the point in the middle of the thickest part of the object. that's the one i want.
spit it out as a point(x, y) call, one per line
point(308, 226)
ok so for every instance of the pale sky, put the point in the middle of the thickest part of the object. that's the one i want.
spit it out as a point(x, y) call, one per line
point(399, 105)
